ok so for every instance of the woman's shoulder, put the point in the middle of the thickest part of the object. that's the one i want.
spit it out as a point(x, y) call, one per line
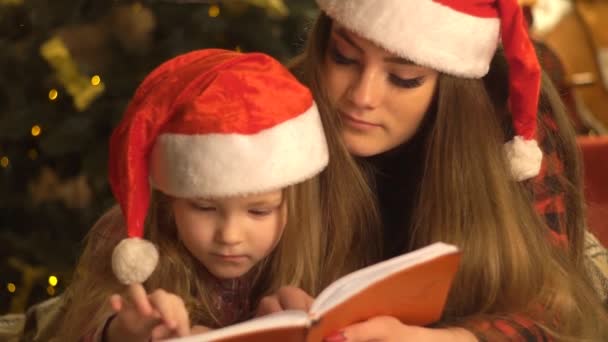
point(596, 264)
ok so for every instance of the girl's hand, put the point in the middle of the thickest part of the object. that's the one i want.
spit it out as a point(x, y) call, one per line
point(141, 316)
point(286, 298)
point(389, 329)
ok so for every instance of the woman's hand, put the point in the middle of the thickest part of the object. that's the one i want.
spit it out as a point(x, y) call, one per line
point(141, 316)
point(286, 298)
point(389, 329)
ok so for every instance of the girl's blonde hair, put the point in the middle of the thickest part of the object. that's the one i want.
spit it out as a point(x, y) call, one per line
point(179, 272)
point(466, 197)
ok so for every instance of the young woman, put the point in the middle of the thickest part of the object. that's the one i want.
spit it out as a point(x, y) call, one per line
point(463, 143)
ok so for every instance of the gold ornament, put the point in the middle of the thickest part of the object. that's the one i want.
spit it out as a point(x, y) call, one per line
point(75, 193)
point(76, 84)
point(29, 276)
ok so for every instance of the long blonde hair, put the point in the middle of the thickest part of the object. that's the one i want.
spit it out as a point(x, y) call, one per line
point(467, 198)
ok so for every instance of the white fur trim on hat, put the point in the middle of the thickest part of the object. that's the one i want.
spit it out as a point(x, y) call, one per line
point(134, 260)
point(525, 158)
point(423, 31)
point(217, 165)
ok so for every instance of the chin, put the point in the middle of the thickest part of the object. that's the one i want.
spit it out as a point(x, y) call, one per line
point(362, 147)
point(228, 272)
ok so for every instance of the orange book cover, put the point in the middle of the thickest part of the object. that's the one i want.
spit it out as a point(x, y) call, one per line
point(412, 287)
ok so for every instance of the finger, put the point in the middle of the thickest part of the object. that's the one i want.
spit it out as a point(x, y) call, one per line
point(268, 305)
point(183, 319)
point(139, 298)
point(162, 302)
point(376, 328)
point(179, 314)
point(116, 302)
point(172, 311)
point(161, 332)
point(294, 298)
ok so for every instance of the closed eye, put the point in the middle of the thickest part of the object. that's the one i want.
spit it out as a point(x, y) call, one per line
point(260, 212)
point(339, 58)
point(202, 207)
point(405, 82)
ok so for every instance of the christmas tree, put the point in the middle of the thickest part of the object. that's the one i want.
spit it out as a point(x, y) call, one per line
point(67, 71)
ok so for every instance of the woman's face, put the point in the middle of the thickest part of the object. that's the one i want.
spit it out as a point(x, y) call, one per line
point(381, 97)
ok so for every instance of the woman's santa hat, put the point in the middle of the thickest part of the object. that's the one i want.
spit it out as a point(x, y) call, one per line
point(209, 123)
point(459, 37)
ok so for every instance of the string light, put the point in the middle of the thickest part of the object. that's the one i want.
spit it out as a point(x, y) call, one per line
point(4, 162)
point(50, 290)
point(214, 11)
point(36, 130)
point(95, 80)
point(11, 287)
point(53, 94)
point(53, 280)
point(32, 154)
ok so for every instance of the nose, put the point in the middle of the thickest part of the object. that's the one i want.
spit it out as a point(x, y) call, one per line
point(229, 231)
point(365, 91)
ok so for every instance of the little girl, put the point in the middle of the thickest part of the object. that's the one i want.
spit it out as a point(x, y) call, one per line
point(216, 154)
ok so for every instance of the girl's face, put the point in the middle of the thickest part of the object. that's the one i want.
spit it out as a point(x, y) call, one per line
point(230, 235)
point(381, 97)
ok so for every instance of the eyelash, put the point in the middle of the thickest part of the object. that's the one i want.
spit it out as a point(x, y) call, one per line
point(261, 212)
point(408, 83)
point(339, 58)
point(405, 82)
point(255, 212)
point(202, 208)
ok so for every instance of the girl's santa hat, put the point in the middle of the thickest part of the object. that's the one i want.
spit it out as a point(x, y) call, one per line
point(459, 37)
point(209, 123)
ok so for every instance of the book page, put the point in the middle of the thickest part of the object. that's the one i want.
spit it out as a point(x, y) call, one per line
point(347, 286)
point(290, 324)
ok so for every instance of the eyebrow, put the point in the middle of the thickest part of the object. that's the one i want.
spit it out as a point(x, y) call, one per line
point(267, 201)
point(261, 202)
point(392, 59)
point(264, 203)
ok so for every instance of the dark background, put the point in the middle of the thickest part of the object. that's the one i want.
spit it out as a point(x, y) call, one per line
point(67, 71)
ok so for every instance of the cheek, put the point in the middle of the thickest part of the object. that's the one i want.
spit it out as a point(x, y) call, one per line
point(269, 233)
point(190, 229)
point(335, 82)
point(409, 111)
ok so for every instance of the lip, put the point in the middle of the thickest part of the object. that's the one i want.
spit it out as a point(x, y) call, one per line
point(230, 257)
point(361, 124)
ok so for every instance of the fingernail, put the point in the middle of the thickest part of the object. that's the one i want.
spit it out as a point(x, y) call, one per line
point(337, 337)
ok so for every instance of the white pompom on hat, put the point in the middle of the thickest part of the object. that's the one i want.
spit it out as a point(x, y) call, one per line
point(459, 37)
point(209, 123)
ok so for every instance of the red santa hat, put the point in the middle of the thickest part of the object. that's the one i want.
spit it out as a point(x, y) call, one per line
point(209, 123)
point(459, 37)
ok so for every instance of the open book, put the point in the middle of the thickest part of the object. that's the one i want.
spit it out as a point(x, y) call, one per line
point(412, 287)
